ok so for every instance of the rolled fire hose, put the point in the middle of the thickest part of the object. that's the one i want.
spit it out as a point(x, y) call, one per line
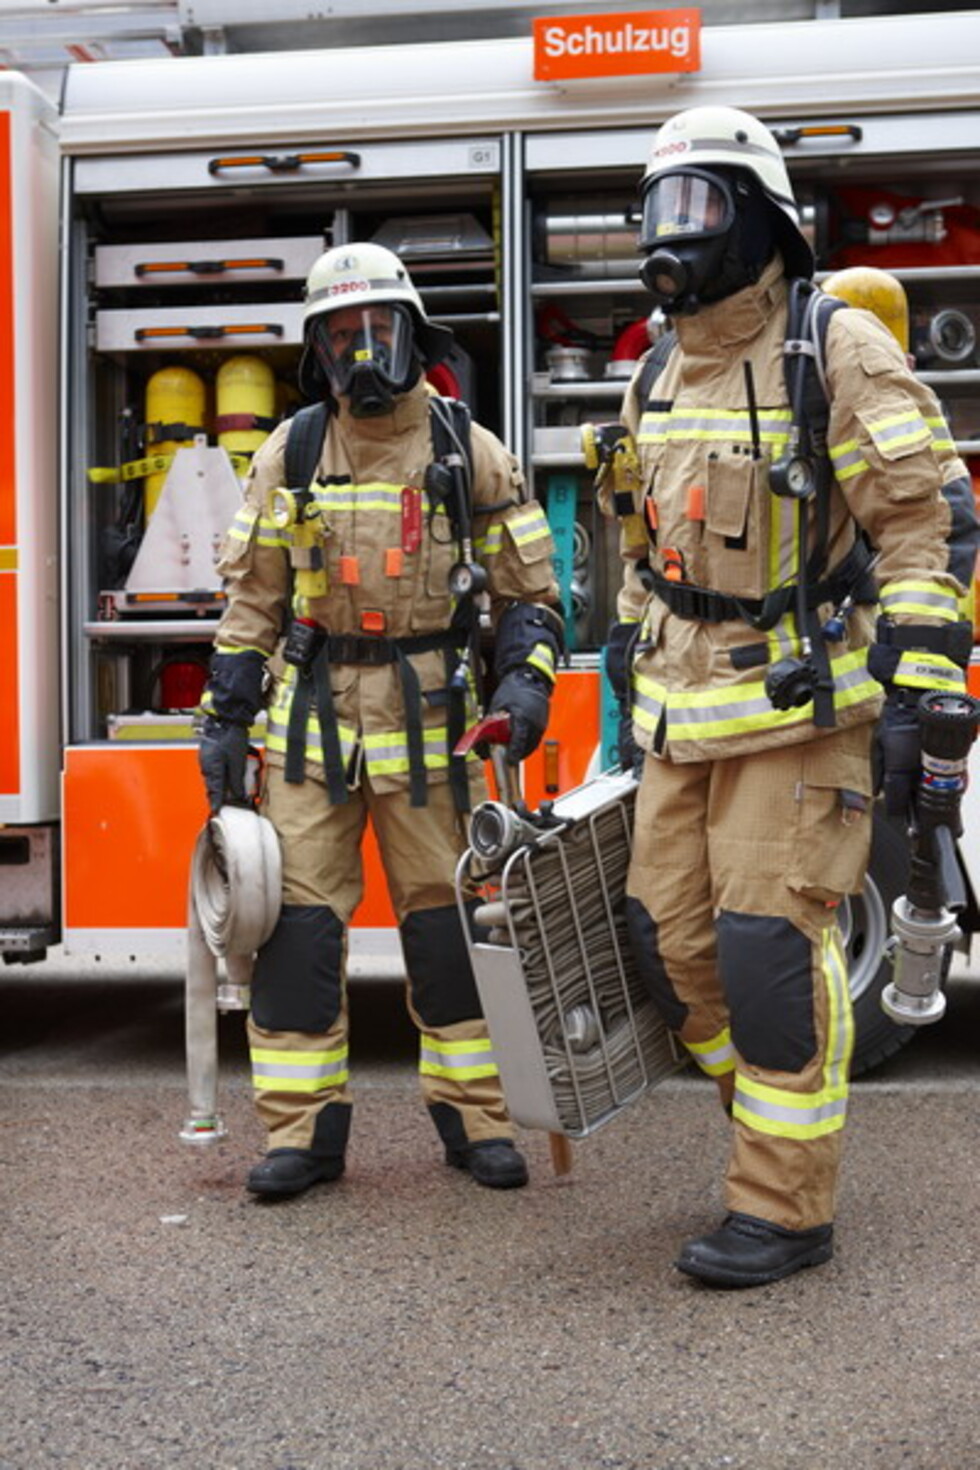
point(233, 904)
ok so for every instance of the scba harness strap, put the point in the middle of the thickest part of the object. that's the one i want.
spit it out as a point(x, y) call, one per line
point(804, 357)
point(304, 443)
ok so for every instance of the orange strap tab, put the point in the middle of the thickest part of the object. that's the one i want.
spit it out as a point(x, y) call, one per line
point(350, 571)
point(650, 511)
point(394, 560)
point(373, 620)
point(673, 564)
point(694, 510)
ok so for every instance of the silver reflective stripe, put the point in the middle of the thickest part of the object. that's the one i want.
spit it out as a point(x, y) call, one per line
point(775, 1112)
point(455, 1059)
point(322, 1072)
point(938, 599)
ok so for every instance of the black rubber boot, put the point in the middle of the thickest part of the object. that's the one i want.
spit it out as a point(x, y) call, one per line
point(494, 1162)
point(286, 1171)
point(751, 1252)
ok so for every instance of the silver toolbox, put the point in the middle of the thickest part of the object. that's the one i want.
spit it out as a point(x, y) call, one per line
point(575, 1034)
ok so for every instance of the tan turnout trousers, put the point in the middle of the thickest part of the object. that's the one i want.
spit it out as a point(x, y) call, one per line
point(739, 866)
point(299, 1073)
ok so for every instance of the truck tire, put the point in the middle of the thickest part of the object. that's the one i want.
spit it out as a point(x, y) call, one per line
point(865, 920)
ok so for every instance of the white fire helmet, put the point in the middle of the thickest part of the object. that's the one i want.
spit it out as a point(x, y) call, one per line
point(364, 275)
point(703, 136)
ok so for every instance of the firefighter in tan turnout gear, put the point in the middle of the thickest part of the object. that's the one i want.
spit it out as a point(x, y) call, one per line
point(375, 567)
point(793, 559)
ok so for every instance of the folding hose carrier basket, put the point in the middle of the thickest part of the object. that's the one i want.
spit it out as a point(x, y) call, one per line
point(575, 1034)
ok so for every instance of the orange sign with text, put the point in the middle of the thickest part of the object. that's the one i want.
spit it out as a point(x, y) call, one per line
point(616, 45)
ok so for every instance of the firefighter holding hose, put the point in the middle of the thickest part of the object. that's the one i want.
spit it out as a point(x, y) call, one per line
point(375, 527)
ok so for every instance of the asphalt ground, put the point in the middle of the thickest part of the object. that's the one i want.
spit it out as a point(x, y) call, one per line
point(404, 1318)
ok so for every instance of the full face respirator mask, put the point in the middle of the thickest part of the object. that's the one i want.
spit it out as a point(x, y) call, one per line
point(706, 234)
point(368, 355)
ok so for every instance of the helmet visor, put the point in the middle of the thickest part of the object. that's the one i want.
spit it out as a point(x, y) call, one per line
point(685, 205)
point(378, 337)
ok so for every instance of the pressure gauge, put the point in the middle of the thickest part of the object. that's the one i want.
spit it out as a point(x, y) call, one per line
point(792, 477)
point(467, 579)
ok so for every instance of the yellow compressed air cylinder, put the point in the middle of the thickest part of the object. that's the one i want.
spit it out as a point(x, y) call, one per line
point(245, 403)
point(877, 291)
point(175, 399)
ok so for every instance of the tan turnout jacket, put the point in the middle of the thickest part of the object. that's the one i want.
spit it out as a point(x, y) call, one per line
point(378, 579)
point(698, 687)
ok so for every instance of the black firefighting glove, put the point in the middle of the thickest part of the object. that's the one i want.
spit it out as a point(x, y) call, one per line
point(222, 754)
point(619, 643)
point(898, 754)
point(525, 695)
point(234, 688)
point(230, 702)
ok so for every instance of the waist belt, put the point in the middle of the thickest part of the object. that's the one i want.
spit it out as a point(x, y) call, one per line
point(352, 648)
point(704, 605)
point(313, 682)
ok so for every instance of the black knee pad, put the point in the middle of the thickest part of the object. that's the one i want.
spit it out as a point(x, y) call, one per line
point(653, 972)
point(296, 984)
point(766, 967)
point(438, 963)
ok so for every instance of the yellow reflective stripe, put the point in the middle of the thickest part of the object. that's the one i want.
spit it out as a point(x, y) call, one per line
point(269, 534)
point(241, 527)
point(899, 429)
point(784, 550)
point(649, 431)
point(695, 424)
point(715, 713)
point(840, 1026)
point(244, 648)
point(386, 754)
point(380, 495)
point(783, 1114)
point(919, 599)
point(649, 699)
point(847, 459)
point(490, 544)
point(782, 640)
point(789, 1114)
point(298, 1071)
point(278, 727)
point(928, 671)
point(941, 441)
point(458, 1061)
point(527, 526)
point(542, 657)
point(716, 1056)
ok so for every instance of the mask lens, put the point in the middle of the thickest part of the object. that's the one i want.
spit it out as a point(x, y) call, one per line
point(375, 338)
point(685, 206)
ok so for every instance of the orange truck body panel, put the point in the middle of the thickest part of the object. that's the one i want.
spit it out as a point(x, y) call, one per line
point(132, 814)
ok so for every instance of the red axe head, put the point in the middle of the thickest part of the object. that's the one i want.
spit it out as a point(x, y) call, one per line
point(491, 730)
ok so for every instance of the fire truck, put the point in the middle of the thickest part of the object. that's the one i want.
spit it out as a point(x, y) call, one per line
point(156, 229)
